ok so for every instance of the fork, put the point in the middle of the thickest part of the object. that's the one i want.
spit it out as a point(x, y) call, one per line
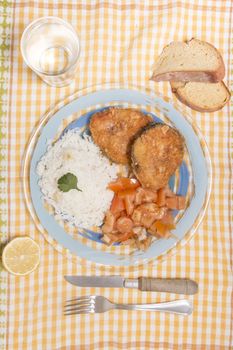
point(98, 304)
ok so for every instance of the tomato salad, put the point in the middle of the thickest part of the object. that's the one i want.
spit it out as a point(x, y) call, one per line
point(137, 214)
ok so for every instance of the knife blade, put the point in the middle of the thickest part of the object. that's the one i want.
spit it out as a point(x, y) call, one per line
point(96, 281)
point(170, 285)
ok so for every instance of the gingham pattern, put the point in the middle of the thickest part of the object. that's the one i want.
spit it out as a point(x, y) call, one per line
point(119, 41)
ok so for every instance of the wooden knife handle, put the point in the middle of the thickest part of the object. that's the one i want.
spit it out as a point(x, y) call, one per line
point(170, 285)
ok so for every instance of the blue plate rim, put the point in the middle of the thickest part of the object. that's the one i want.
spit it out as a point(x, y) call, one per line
point(110, 88)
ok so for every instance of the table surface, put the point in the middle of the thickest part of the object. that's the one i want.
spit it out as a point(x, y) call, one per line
point(120, 41)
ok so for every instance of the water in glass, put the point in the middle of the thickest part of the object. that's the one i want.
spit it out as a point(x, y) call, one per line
point(50, 47)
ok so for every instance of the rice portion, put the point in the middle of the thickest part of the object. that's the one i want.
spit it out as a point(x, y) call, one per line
point(77, 154)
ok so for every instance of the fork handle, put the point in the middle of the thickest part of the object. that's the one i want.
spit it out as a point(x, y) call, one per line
point(180, 307)
point(170, 285)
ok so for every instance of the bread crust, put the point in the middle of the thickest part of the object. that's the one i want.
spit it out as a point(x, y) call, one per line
point(197, 76)
point(182, 99)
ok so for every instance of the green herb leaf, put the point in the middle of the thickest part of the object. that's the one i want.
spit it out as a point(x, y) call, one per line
point(68, 182)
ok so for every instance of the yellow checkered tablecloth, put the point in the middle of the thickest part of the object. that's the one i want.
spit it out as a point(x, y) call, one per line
point(119, 41)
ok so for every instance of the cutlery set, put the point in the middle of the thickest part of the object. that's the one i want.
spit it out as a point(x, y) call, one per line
point(99, 304)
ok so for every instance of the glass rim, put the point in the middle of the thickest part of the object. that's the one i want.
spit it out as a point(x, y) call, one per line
point(30, 27)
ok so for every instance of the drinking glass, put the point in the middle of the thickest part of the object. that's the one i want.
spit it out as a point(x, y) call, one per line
point(51, 48)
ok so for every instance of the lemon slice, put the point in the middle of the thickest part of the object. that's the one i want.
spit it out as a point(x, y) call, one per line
point(21, 256)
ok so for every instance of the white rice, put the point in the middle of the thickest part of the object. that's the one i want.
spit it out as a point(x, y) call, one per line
point(77, 154)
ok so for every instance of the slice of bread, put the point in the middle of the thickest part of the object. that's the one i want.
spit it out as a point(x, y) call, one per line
point(203, 97)
point(193, 60)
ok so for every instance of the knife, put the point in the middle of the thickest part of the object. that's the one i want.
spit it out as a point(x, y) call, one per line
point(148, 284)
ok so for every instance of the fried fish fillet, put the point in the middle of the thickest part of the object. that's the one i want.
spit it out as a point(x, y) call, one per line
point(113, 130)
point(156, 153)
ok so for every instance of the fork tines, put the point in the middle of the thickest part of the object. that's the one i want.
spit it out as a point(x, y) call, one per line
point(81, 305)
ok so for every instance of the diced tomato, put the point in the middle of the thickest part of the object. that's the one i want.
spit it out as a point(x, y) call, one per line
point(117, 205)
point(168, 218)
point(161, 229)
point(177, 202)
point(129, 203)
point(168, 191)
point(106, 239)
point(150, 196)
point(171, 203)
point(145, 214)
point(124, 224)
point(161, 199)
point(123, 214)
point(122, 184)
point(136, 216)
point(139, 193)
point(123, 194)
point(147, 220)
point(125, 236)
point(150, 214)
point(143, 195)
point(109, 222)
